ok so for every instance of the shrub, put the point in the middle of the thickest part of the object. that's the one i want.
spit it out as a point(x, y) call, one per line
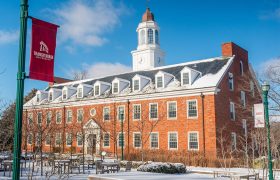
point(159, 167)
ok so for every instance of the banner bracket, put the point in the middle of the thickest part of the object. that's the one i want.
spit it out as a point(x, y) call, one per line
point(21, 76)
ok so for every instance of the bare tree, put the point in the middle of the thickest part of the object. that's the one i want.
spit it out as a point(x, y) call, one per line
point(80, 75)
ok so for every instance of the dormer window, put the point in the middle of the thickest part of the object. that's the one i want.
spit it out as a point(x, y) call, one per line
point(185, 78)
point(136, 85)
point(64, 94)
point(96, 90)
point(159, 82)
point(80, 92)
point(50, 96)
point(37, 98)
point(115, 87)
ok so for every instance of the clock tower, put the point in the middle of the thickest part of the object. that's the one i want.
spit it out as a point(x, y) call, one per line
point(148, 54)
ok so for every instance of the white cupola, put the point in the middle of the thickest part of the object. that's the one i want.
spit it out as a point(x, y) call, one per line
point(148, 54)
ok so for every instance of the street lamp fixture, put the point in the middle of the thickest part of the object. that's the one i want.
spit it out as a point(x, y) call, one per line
point(265, 89)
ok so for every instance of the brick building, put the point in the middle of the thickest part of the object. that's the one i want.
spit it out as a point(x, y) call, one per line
point(180, 107)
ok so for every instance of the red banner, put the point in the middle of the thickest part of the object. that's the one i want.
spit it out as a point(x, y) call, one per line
point(43, 45)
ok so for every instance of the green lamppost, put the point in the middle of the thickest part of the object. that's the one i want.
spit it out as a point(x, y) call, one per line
point(265, 89)
point(122, 140)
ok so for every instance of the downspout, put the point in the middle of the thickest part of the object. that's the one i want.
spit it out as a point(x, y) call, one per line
point(114, 120)
point(64, 126)
point(203, 122)
point(128, 115)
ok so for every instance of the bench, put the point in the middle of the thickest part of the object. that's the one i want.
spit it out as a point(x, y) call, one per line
point(238, 177)
point(225, 173)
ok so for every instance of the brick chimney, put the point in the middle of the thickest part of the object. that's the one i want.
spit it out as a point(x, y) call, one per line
point(230, 49)
point(59, 80)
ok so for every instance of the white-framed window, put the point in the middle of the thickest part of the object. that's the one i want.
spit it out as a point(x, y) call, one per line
point(150, 36)
point(38, 139)
point(193, 139)
point(156, 37)
point(192, 109)
point(253, 111)
point(159, 81)
point(115, 87)
point(243, 98)
point(136, 85)
point(30, 118)
point(185, 78)
point(80, 92)
point(232, 111)
point(80, 115)
point(241, 68)
point(49, 117)
point(96, 90)
point(58, 118)
point(142, 37)
point(136, 140)
point(252, 88)
point(50, 96)
point(106, 140)
point(172, 110)
point(39, 117)
point(48, 140)
point(58, 139)
point(233, 141)
point(30, 139)
point(244, 125)
point(68, 139)
point(136, 111)
point(153, 110)
point(121, 113)
point(172, 140)
point(79, 139)
point(154, 140)
point(69, 116)
point(121, 139)
point(230, 81)
point(38, 98)
point(106, 113)
point(64, 94)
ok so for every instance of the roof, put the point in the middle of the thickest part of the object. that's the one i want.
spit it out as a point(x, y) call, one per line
point(148, 16)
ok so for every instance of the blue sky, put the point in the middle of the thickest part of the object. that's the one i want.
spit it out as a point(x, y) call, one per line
point(98, 35)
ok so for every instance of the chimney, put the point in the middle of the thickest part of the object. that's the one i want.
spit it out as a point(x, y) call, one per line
point(230, 49)
point(58, 80)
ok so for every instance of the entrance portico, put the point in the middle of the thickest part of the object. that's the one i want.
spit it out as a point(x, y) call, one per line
point(92, 137)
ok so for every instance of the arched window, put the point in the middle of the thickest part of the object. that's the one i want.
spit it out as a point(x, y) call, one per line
point(142, 37)
point(150, 36)
point(156, 37)
point(241, 68)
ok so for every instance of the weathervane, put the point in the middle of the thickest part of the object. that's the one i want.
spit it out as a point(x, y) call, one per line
point(147, 3)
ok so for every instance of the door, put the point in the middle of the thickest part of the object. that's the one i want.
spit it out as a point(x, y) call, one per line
point(91, 144)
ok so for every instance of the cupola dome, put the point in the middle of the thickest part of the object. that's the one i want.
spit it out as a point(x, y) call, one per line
point(148, 16)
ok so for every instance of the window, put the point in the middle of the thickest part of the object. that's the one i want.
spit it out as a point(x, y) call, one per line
point(192, 109)
point(150, 36)
point(154, 140)
point(233, 141)
point(58, 139)
point(137, 140)
point(79, 139)
point(142, 37)
point(30, 118)
point(96, 90)
point(172, 140)
point(243, 99)
point(121, 113)
point(244, 125)
point(159, 82)
point(136, 86)
point(64, 94)
point(121, 140)
point(230, 81)
point(185, 78)
point(30, 138)
point(136, 111)
point(48, 139)
point(37, 98)
point(172, 110)
point(80, 92)
point(115, 87)
point(58, 117)
point(38, 139)
point(49, 117)
point(106, 140)
point(68, 139)
point(39, 118)
point(232, 111)
point(50, 96)
point(241, 68)
point(106, 113)
point(69, 116)
point(80, 115)
point(193, 140)
point(252, 88)
point(154, 111)
point(156, 37)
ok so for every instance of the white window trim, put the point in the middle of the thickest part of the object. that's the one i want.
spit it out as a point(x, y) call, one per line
point(182, 72)
point(98, 90)
point(118, 82)
point(66, 134)
point(123, 112)
point(151, 140)
point(38, 118)
point(46, 140)
point(171, 118)
point(162, 76)
point(197, 132)
point(243, 95)
point(252, 88)
point(171, 132)
point(30, 117)
point(140, 112)
point(232, 105)
point(66, 90)
point(194, 117)
point(150, 111)
point(60, 112)
point(79, 97)
point(30, 134)
point(136, 79)
point(104, 111)
point(69, 122)
point(49, 112)
point(104, 141)
point(235, 141)
point(231, 79)
point(124, 143)
point(50, 92)
point(60, 138)
point(241, 68)
point(78, 115)
point(134, 140)
point(81, 135)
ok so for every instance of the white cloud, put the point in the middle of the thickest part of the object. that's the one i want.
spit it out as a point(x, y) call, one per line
point(271, 14)
point(8, 36)
point(85, 22)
